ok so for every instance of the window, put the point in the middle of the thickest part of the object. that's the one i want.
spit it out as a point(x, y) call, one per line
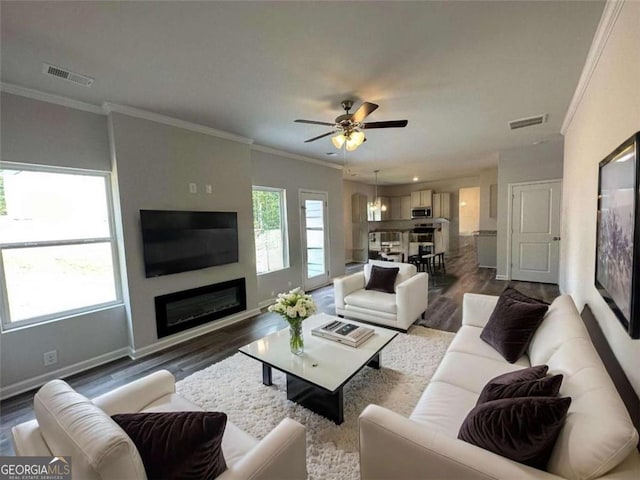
point(270, 229)
point(57, 250)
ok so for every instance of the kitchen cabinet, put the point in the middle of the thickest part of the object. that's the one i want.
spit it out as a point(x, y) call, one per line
point(358, 208)
point(385, 208)
point(442, 205)
point(405, 207)
point(359, 230)
point(380, 212)
point(421, 198)
point(400, 208)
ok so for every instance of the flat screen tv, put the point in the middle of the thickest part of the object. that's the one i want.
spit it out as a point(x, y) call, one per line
point(175, 241)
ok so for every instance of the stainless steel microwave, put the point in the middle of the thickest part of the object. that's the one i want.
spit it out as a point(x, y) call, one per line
point(422, 212)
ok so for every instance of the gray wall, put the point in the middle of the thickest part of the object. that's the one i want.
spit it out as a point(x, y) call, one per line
point(42, 133)
point(537, 162)
point(47, 134)
point(270, 170)
point(155, 164)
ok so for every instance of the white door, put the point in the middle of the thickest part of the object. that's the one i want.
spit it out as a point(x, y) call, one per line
point(315, 238)
point(535, 231)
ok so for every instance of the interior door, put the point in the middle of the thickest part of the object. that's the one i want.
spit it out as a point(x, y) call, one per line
point(535, 231)
point(315, 239)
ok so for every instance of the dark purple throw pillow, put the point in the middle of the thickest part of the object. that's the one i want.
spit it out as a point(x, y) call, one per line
point(184, 445)
point(521, 297)
point(521, 429)
point(382, 279)
point(541, 387)
point(512, 325)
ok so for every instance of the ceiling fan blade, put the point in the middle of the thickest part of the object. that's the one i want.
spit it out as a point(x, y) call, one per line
point(319, 137)
point(363, 112)
point(313, 122)
point(389, 124)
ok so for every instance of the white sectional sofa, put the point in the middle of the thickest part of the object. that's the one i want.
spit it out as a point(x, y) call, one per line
point(69, 424)
point(397, 310)
point(598, 439)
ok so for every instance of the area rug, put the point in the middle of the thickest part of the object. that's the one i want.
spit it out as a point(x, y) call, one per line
point(234, 386)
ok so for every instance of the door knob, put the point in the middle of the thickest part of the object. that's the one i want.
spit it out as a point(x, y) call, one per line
point(555, 239)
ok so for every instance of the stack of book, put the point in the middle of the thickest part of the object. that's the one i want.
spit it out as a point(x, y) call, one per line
point(343, 332)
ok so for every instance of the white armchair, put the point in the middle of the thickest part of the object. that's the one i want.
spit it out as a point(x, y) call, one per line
point(69, 424)
point(397, 310)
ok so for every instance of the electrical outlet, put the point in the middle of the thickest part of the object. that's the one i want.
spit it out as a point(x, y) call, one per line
point(209, 189)
point(290, 284)
point(193, 188)
point(50, 358)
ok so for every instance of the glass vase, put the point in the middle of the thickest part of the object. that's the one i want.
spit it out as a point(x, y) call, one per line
point(296, 342)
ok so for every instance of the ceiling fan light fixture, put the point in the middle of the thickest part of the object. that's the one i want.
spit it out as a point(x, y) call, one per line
point(354, 140)
point(338, 140)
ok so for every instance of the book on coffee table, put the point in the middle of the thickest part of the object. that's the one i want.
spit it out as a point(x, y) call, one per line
point(343, 332)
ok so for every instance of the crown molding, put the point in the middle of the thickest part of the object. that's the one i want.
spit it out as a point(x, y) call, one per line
point(173, 122)
point(294, 156)
point(608, 20)
point(50, 98)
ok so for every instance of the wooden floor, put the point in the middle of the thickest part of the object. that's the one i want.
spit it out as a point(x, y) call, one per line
point(444, 312)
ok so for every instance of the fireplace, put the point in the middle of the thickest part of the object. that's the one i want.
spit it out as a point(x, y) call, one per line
point(180, 311)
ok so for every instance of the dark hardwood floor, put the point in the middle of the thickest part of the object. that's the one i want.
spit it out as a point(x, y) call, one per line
point(444, 312)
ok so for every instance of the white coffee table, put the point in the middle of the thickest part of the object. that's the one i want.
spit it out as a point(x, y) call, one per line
point(316, 378)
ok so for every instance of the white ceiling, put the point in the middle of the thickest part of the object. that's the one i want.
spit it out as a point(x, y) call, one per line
point(458, 71)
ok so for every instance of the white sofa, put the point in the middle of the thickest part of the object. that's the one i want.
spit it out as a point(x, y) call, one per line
point(69, 424)
point(598, 439)
point(398, 310)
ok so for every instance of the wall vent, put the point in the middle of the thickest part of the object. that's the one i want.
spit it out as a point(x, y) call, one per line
point(68, 75)
point(527, 122)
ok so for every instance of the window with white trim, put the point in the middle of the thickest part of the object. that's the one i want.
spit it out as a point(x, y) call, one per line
point(270, 229)
point(58, 252)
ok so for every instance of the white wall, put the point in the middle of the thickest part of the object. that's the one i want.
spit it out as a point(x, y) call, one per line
point(42, 133)
point(155, 164)
point(608, 113)
point(533, 163)
point(273, 170)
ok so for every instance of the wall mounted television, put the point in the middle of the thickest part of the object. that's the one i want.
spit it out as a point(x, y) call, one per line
point(178, 241)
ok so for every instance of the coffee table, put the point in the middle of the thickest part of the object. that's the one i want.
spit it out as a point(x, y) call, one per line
point(316, 378)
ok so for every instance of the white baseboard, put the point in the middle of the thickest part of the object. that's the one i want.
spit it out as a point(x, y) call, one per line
point(502, 277)
point(191, 333)
point(35, 382)
point(266, 303)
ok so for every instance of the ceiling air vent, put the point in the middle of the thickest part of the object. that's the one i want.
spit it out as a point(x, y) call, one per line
point(68, 75)
point(527, 122)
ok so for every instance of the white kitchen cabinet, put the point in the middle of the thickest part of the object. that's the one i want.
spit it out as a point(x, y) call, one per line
point(359, 230)
point(400, 208)
point(442, 205)
point(405, 207)
point(421, 198)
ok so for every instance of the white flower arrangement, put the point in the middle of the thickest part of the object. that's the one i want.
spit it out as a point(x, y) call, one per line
point(294, 306)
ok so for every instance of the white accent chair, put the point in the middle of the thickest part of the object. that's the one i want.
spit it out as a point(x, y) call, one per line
point(397, 310)
point(68, 423)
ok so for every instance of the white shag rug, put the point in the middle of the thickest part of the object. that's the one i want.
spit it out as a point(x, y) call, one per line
point(234, 386)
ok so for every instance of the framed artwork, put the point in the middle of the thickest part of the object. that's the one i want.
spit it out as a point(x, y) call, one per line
point(618, 234)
